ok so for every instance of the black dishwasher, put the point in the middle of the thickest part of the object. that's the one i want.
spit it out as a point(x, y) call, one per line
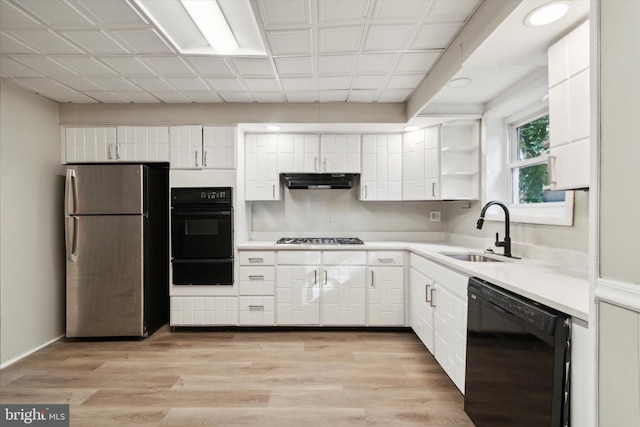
point(518, 359)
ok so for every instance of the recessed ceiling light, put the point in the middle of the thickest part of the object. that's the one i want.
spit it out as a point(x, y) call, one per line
point(458, 83)
point(273, 127)
point(411, 128)
point(547, 13)
point(212, 24)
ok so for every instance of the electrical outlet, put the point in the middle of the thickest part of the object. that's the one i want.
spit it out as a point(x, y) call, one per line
point(434, 216)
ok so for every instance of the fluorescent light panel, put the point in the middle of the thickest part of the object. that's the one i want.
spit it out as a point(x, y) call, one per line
point(208, 17)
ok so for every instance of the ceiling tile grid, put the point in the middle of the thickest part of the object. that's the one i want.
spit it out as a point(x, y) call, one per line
point(317, 51)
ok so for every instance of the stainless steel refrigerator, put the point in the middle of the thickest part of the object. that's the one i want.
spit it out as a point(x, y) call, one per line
point(117, 249)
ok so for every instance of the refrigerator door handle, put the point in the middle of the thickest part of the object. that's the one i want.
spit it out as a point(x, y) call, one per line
point(72, 237)
point(71, 191)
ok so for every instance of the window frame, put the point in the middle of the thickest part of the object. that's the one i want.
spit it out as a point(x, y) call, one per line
point(499, 184)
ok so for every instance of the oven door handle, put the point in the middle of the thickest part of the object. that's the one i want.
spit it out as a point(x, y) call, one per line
point(182, 213)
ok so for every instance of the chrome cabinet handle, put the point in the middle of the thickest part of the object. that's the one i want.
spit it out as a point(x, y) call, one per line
point(196, 158)
point(372, 279)
point(365, 192)
point(326, 277)
point(256, 277)
point(273, 191)
point(256, 259)
point(433, 189)
point(385, 260)
point(431, 300)
point(427, 293)
point(551, 163)
point(256, 307)
point(324, 164)
point(118, 152)
point(204, 159)
point(109, 155)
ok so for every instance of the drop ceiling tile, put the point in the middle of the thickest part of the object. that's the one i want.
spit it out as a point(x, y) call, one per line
point(11, 45)
point(112, 13)
point(336, 64)
point(446, 10)
point(84, 65)
point(95, 42)
point(106, 97)
point(128, 65)
point(43, 41)
point(171, 97)
point(137, 97)
point(243, 97)
point(268, 97)
point(368, 82)
point(298, 84)
point(405, 81)
point(204, 97)
point(364, 95)
point(290, 42)
point(334, 82)
point(12, 16)
point(208, 66)
point(151, 84)
point(253, 67)
point(435, 35)
point(280, 13)
point(143, 41)
point(225, 84)
point(376, 63)
point(303, 97)
point(262, 85)
point(80, 84)
point(343, 11)
point(44, 65)
point(114, 84)
point(402, 10)
point(187, 83)
point(388, 37)
point(340, 39)
point(57, 13)
point(395, 95)
point(333, 95)
point(11, 68)
point(52, 89)
point(294, 66)
point(420, 62)
point(168, 65)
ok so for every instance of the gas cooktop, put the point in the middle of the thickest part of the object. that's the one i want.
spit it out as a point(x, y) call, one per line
point(320, 241)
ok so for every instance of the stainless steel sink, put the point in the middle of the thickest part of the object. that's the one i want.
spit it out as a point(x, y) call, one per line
point(471, 257)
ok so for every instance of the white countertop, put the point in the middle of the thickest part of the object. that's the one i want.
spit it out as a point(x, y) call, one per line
point(564, 289)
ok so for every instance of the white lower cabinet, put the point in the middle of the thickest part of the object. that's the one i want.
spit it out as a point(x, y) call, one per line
point(344, 289)
point(256, 288)
point(439, 314)
point(204, 311)
point(386, 296)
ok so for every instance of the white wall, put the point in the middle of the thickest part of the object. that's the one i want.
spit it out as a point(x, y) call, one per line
point(31, 223)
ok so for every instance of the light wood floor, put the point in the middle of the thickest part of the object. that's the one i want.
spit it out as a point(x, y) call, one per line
point(211, 378)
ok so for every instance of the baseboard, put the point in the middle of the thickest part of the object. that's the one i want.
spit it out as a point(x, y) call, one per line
point(16, 359)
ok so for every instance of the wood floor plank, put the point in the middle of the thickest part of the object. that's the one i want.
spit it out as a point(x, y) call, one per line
point(230, 378)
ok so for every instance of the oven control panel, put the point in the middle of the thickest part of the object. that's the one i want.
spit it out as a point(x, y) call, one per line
point(190, 196)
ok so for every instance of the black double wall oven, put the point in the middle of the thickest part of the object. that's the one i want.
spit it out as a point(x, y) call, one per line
point(202, 235)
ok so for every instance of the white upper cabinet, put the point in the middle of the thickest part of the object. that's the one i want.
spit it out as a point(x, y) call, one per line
point(218, 147)
point(569, 111)
point(116, 144)
point(381, 177)
point(318, 153)
point(89, 144)
point(421, 164)
point(262, 179)
point(198, 147)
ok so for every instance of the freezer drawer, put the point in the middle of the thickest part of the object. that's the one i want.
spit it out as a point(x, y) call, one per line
point(105, 276)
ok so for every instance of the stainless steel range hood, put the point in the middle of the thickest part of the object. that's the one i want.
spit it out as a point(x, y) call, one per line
point(318, 181)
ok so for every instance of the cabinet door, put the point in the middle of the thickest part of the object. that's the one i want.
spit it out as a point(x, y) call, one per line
point(340, 153)
point(218, 147)
point(444, 307)
point(298, 153)
point(298, 295)
point(381, 177)
point(568, 166)
point(421, 315)
point(385, 296)
point(343, 295)
point(262, 181)
point(90, 145)
point(186, 147)
point(413, 166)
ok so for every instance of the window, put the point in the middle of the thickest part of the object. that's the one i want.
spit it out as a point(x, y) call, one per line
point(528, 141)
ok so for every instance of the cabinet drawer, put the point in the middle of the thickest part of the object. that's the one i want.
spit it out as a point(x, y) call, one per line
point(204, 311)
point(256, 311)
point(256, 258)
point(299, 257)
point(344, 257)
point(385, 258)
point(257, 281)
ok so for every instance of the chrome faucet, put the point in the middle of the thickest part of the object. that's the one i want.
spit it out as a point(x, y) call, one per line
point(506, 243)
